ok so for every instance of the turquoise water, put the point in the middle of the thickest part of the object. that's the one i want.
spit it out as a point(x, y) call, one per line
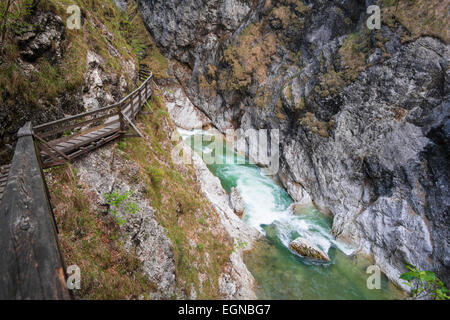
point(280, 273)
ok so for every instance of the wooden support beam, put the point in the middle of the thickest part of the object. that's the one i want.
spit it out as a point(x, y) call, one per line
point(133, 126)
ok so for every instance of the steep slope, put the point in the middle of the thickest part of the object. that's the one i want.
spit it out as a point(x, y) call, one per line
point(363, 114)
point(137, 224)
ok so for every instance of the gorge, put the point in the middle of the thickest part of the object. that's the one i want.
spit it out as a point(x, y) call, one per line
point(363, 114)
point(362, 165)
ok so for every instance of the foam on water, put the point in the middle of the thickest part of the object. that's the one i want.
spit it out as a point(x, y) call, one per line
point(266, 203)
point(281, 273)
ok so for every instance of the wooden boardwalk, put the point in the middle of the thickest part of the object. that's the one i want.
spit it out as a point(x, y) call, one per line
point(31, 266)
point(63, 140)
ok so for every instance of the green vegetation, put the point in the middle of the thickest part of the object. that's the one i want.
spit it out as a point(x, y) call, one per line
point(90, 239)
point(12, 13)
point(201, 245)
point(248, 58)
point(239, 244)
point(424, 284)
point(120, 203)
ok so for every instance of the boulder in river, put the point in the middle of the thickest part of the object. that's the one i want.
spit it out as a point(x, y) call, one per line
point(237, 204)
point(305, 248)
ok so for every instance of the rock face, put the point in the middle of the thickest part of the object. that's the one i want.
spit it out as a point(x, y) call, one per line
point(377, 172)
point(363, 116)
point(97, 79)
point(42, 36)
point(237, 204)
point(183, 112)
point(197, 24)
point(103, 172)
point(306, 249)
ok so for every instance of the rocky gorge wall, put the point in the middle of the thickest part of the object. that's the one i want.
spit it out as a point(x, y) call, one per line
point(363, 114)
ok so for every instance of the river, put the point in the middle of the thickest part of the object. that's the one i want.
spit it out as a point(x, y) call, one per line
point(279, 272)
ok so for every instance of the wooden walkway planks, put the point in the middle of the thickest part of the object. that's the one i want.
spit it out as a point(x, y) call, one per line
point(61, 149)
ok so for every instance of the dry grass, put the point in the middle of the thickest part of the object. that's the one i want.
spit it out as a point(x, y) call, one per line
point(248, 59)
point(310, 122)
point(352, 57)
point(200, 244)
point(90, 239)
point(283, 13)
point(419, 17)
point(278, 110)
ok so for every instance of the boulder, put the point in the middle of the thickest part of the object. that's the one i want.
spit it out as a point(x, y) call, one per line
point(305, 248)
point(237, 204)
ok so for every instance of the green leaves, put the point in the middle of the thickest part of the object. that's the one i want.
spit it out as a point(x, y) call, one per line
point(408, 276)
point(427, 276)
point(424, 284)
point(119, 202)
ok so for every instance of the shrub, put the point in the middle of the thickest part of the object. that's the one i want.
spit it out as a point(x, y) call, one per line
point(424, 284)
point(120, 202)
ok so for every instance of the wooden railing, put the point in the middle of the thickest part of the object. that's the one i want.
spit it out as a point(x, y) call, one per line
point(62, 140)
point(31, 266)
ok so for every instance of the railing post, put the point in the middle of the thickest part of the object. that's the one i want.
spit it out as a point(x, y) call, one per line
point(140, 99)
point(122, 121)
point(131, 104)
point(31, 266)
point(146, 91)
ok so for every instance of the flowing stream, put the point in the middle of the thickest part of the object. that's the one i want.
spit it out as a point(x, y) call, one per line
point(280, 273)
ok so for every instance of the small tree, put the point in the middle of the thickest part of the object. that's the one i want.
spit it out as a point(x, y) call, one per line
point(424, 284)
point(121, 202)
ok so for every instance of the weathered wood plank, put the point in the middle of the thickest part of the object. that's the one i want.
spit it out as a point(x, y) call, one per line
point(31, 266)
point(85, 142)
point(44, 126)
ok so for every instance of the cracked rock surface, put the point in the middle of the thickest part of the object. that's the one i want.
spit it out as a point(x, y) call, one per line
point(372, 151)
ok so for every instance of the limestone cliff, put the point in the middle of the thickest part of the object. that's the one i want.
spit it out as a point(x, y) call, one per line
point(363, 114)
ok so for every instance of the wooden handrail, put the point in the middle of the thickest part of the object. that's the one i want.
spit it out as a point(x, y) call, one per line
point(89, 130)
point(31, 266)
point(44, 126)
